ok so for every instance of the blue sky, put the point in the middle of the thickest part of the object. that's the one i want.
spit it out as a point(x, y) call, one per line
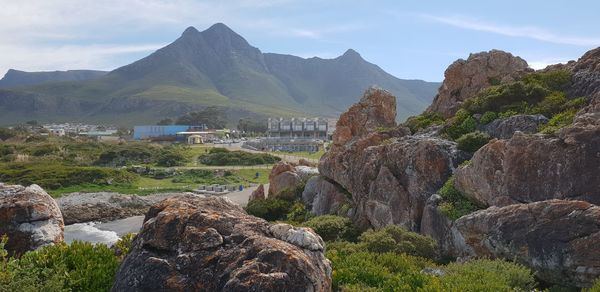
point(411, 40)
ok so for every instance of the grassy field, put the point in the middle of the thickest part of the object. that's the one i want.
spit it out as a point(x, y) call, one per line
point(65, 165)
point(311, 155)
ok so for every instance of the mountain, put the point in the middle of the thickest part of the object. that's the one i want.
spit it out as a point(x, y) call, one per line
point(215, 67)
point(14, 78)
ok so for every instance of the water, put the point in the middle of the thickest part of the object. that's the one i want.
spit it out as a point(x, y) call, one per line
point(107, 233)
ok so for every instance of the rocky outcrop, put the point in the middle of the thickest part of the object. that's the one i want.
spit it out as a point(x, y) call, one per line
point(258, 194)
point(29, 217)
point(438, 226)
point(190, 243)
point(389, 174)
point(465, 78)
point(555, 238)
point(586, 74)
point(286, 179)
point(105, 206)
point(323, 197)
point(505, 128)
point(376, 109)
point(530, 168)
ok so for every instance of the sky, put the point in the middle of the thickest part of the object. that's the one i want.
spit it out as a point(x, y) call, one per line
point(409, 39)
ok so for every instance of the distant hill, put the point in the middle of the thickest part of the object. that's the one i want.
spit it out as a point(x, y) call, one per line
point(14, 78)
point(215, 67)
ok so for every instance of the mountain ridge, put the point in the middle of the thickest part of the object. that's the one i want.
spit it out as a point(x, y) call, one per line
point(216, 67)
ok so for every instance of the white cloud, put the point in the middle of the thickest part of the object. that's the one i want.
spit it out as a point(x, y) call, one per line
point(65, 34)
point(530, 32)
point(541, 64)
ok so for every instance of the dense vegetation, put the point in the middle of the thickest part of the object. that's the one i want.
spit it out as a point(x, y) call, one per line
point(455, 204)
point(222, 157)
point(62, 165)
point(213, 117)
point(536, 93)
point(79, 266)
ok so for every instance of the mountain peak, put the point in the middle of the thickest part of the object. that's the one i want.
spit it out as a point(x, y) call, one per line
point(351, 54)
point(190, 31)
point(219, 28)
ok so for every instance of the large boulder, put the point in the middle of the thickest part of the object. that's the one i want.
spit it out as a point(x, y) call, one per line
point(258, 194)
point(323, 197)
point(529, 168)
point(556, 238)
point(104, 206)
point(376, 109)
point(505, 128)
point(286, 179)
point(29, 217)
point(586, 74)
point(190, 243)
point(389, 174)
point(465, 78)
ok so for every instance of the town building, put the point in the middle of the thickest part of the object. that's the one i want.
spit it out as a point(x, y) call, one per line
point(310, 128)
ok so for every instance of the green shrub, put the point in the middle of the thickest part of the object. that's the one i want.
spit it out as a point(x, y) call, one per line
point(455, 204)
point(269, 209)
point(170, 158)
point(292, 194)
point(332, 227)
point(506, 96)
point(595, 288)
point(55, 175)
point(461, 124)
point(224, 157)
point(488, 117)
point(558, 122)
point(487, 275)
point(394, 238)
point(558, 80)
point(6, 133)
point(77, 267)
point(298, 213)
point(551, 104)
point(471, 142)
point(423, 121)
point(122, 247)
point(507, 114)
point(366, 271)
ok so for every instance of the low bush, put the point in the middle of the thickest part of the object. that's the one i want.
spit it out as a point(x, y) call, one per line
point(471, 142)
point(394, 238)
point(269, 209)
point(54, 175)
point(455, 204)
point(502, 97)
point(224, 157)
point(488, 117)
point(487, 275)
point(367, 271)
point(169, 158)
point(558, 122)
point(423, 121)
point(332, 228)
point(298, 214)
point(558, 80)
point(79, 266)
point(460, 124)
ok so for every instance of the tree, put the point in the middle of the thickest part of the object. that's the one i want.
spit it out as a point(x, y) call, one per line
point(252, 125)
point(165, 122)
point(212, 116)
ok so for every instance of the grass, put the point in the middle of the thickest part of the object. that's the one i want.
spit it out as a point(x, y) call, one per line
point(304, 154)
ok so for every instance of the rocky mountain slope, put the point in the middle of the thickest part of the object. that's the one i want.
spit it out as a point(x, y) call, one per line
point(14, 78)
point(215, 67)
point(528, 195)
